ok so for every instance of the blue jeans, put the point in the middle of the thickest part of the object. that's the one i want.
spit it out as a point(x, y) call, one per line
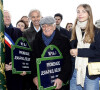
point(88, 84)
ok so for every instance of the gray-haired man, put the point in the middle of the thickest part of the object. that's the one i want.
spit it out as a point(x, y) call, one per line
point(49, 35)
point(29, 34)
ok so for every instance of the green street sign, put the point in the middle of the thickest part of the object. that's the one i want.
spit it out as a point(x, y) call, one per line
point(20, 53)
point(48, 67)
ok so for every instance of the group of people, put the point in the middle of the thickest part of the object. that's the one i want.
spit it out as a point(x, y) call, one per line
point(78, 45)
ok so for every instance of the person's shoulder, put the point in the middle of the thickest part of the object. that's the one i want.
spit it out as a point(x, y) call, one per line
point(14, 30)
point(17, 30)
point(61, 36)
point(26, 31)
point(96, 33)
point(64, 37)
point(62, 28)
point(96, 30)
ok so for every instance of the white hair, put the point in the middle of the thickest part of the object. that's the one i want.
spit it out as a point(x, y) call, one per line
point(34, 10)
point(7, 12)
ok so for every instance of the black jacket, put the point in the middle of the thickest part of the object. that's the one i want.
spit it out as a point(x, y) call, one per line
point(65, 32)
point(92, 53)
point(64, 46)
point(29, 34)
point(14, 33)
point(14, 82)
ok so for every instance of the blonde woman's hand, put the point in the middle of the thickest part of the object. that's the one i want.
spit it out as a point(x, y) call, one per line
point(74, 52)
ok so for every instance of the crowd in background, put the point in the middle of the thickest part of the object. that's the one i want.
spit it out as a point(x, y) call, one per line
point(79, 41)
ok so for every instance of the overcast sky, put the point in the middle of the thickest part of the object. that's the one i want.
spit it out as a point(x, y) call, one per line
point(67, 8)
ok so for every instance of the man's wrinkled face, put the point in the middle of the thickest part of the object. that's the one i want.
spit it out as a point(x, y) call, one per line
point(48, 29)
point(7, 19)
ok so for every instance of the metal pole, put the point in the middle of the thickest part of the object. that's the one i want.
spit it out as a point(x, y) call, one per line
point(2, 50)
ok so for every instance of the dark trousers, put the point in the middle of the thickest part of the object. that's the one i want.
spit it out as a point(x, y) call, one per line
point(66, 87)
point(28, 83)
point(14, 81)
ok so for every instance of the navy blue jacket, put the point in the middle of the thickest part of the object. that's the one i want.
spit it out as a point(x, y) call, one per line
point(93, 53)
point(14, 33)
point(65, 32)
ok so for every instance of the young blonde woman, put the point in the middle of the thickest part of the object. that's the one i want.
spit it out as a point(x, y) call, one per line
point(85, 42)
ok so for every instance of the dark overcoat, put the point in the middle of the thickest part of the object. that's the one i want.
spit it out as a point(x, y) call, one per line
point(64, 46)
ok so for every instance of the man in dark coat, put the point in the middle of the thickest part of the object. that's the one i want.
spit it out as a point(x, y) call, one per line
point(49, 35)
point(14, 82)
point(29, 34)
point(59, 17)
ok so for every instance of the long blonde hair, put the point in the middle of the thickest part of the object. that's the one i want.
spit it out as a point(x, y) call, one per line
point(89, 37)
